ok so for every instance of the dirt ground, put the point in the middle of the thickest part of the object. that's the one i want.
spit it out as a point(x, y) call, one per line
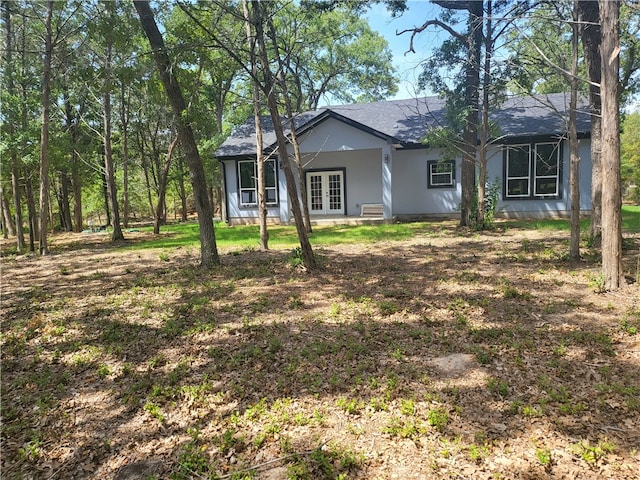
point(453, 355)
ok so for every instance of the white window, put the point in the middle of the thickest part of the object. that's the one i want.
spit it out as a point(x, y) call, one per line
point(547, 170)
point(532, 171)
point(248, 182)
point(441, 174)
point(518, 171)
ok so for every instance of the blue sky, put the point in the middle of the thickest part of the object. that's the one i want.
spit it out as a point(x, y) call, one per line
point(407, 64)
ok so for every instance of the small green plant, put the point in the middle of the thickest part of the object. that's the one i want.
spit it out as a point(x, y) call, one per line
point(191, 459)
point(296, 260)
point(407, 427)
point(154, 410)
point(592, 453)
point(596, 283)
point(544, 457)
point(407, 407)
point(378, 404)
point(350, 406)
point(630, 322)
point(498, 387)
point(163, 256)
point(438, 418)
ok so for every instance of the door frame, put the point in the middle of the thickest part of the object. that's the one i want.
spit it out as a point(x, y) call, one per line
point(341, 170)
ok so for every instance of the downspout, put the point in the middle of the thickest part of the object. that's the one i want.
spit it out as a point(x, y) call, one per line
point(387, 184)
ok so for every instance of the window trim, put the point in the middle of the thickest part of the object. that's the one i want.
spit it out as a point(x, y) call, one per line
point(430, 174)
point(532, 176)
point(254, 189)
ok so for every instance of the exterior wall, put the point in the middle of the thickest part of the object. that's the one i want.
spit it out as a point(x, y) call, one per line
point(242, 215)
point(335, 136)
point(411, 194)
point(545, 207)
point(362, 175)
point(398, 179)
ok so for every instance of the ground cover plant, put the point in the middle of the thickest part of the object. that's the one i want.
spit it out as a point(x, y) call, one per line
point(416, 351)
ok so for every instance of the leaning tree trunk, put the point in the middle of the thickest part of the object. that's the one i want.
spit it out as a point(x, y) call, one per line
point(44, 134)
point(611, 195)
point(272, 103)
point(208, 249)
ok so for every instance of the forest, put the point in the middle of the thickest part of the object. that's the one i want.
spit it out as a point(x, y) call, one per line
point(143, 338)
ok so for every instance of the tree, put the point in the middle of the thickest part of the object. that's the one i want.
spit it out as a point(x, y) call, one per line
point(574, 158)
point(630, 156)
point(259, 13)
point(44, 132)
point(11, 91)
point(591, 36)
point(257, 111)
point(611, 196)
point(108, 152)
point(208, 248)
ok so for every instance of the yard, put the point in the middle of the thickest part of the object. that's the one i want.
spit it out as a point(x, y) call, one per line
point(417, 352)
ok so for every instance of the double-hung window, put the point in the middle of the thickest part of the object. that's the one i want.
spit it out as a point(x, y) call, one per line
point(441, 174)
point(532, 171)
point(248, 182)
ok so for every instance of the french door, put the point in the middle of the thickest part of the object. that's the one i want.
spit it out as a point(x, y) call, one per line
point(325, 192)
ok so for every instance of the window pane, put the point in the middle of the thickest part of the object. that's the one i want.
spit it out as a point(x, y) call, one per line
point(546, 159)
point(518, 187)
point(270, 173)
point(518, 162)
point(271, 195)
point(248, 197)
point(441, 179)
point(546, 186)
point(247, 174)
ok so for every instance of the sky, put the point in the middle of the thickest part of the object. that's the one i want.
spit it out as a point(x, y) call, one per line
point(407, 64)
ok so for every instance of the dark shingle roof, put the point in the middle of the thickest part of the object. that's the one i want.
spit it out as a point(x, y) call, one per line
point(407, 121)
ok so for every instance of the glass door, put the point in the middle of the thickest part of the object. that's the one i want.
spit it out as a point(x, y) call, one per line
point(325, 193)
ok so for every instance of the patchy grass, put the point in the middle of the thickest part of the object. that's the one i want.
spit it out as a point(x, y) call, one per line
point(412, 353)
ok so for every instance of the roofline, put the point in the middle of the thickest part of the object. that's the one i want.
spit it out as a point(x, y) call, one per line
point(327, 114)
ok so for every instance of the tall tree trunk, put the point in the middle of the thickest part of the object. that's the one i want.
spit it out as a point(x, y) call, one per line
point(262, 200)
point(44, 134)
point(470, 134)
point(13, 155)
point(124, 121)
point(109, 170)
point(31, 211)
point(184, 216)
point(269, 84)
point(160, 216)
point(105, 195)
point(574, 158)
point(8, 228)
point(208, 249)
point(591, 34)
point(65, 207)
point(76, 185)
point(611, 195)
point(484, 123)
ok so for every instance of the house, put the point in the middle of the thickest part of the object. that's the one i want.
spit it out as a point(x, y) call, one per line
point(369, 160)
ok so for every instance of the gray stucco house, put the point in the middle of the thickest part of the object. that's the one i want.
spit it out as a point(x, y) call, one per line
point(369, 160)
